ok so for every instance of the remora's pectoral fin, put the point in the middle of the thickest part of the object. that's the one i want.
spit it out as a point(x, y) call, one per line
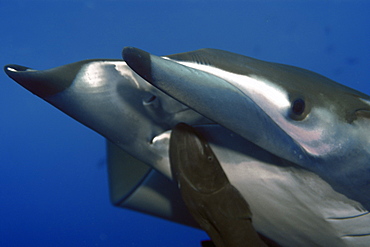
point(214, 98)
point(215, 204)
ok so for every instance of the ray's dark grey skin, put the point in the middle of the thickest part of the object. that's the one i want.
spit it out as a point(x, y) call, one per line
point(317, 128)
point(293, 136)
point(215, 204)
point(296, 114)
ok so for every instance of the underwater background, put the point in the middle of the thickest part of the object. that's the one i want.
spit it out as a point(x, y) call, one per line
point(53, 178)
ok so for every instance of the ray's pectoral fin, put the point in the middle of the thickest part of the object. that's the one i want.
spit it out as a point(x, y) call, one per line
point(215, 204)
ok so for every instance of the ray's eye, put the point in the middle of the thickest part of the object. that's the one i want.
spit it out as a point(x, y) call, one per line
point(150, 100)
point(298, 109)
point(298, 106)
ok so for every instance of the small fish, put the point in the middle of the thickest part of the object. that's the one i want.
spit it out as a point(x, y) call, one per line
point(215, 204)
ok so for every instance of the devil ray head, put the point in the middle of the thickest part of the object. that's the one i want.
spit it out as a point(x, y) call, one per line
point(294, 113)
point(110, 98)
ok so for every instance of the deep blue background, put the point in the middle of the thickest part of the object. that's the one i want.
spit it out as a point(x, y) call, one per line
point(53, 179)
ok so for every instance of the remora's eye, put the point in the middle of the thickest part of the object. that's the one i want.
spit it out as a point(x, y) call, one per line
point(298, 109)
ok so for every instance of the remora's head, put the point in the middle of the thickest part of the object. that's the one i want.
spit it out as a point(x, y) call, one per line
point(108, 97)
point(294, 113)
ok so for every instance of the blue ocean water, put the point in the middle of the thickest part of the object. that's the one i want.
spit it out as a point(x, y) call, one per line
point(53, 178)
